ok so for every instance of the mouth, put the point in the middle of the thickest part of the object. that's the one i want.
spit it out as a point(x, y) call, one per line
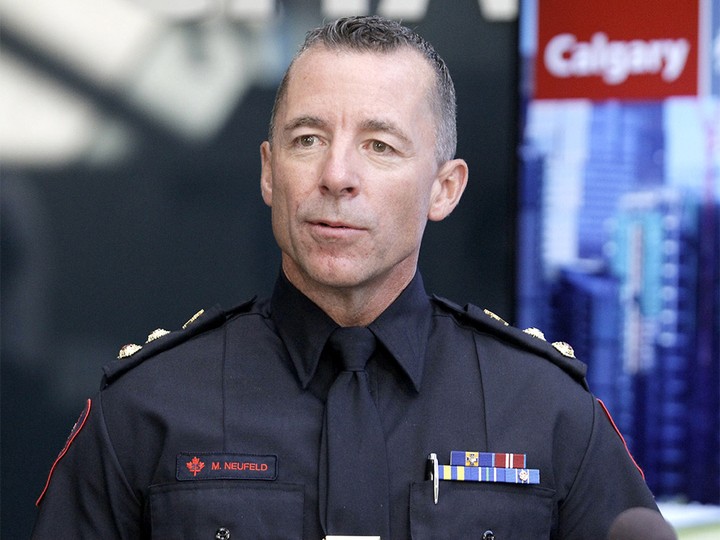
point(335, 231)
point(333, 225)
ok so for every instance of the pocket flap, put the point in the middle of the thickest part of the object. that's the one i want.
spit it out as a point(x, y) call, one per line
point(205, 509)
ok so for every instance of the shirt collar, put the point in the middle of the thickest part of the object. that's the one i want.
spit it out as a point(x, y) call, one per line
point(402, 328)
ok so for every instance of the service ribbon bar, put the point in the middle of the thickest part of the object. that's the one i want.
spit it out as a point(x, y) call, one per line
point(461, 473)
point(488, 459)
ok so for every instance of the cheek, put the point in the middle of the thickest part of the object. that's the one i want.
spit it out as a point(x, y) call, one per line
point(408, 215)
point(293, 183)
point(280, 210)
point(288, 198)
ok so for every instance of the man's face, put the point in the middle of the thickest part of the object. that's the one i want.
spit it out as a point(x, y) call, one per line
point(351, 172)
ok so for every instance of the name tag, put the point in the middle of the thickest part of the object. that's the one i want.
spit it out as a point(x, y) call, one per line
point(207, 466)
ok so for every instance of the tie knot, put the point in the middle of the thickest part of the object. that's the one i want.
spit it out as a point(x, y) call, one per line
point(353, 345)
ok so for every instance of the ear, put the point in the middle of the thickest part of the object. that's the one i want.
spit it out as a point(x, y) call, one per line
point(447, 189)
point(266, 173)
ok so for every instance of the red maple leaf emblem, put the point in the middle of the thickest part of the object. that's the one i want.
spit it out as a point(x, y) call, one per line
point(195, 465)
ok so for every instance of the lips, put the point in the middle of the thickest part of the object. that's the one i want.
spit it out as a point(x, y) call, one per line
point(334, 225)
point(333, 231)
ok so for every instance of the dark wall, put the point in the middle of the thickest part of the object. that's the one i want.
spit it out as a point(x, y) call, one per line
point(97, 256)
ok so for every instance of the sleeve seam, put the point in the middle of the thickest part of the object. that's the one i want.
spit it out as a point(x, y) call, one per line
point(113, 453)
point(585, 454)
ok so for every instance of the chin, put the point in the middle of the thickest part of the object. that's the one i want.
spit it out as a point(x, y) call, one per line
point(338, 280)
point(349, 274)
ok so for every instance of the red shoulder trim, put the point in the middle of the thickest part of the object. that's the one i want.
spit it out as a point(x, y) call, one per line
point(612, 422)
point(73, 433)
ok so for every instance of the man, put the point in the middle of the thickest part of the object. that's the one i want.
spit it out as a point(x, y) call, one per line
point(229, 427)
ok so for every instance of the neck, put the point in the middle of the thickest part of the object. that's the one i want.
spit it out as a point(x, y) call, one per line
point(356, 305)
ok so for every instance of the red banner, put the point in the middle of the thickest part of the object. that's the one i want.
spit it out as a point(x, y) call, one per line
point(639, 49)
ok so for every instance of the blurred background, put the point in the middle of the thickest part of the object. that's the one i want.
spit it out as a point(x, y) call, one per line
point(129, 137)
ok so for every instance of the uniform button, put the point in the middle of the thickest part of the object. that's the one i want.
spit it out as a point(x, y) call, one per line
point(488, 535)
point(222, 534)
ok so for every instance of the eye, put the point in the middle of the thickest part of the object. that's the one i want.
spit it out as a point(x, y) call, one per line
point(306, 140)
point(380, 147)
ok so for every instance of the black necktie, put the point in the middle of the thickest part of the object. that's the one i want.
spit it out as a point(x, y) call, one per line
point(354, 485)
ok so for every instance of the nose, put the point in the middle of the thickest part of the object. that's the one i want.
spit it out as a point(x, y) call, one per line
point(339, 175)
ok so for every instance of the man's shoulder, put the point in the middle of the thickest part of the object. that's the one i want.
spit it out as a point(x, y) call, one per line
point(203, 325)
point(529, 340)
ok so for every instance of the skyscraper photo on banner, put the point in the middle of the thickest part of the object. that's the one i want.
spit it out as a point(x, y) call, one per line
point(619, 231)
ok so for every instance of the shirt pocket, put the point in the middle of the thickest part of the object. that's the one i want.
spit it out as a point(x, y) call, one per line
point(226, 510)
point(468, 510)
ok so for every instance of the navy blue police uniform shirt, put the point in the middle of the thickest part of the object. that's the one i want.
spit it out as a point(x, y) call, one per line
point(214, 431)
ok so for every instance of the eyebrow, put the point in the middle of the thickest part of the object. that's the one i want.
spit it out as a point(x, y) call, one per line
point(303, 121)
point(385, 127)
point(367, 125)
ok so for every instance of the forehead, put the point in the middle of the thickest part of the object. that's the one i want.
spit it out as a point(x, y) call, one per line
point(400, 80)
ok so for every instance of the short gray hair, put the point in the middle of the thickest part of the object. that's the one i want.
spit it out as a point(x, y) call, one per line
point(377, 34)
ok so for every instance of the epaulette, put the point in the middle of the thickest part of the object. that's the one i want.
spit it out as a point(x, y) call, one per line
point(531, 339)
point(160, 340)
